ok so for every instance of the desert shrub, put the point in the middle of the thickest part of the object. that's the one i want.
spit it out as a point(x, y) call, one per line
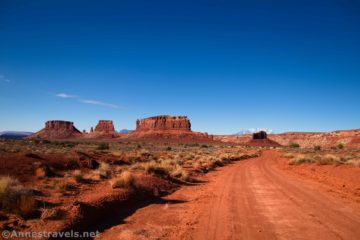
point(288, 155)
point(78, 176)
point(104, 170)
point(50, 214)
point(179, 172)
point(32, 155)
point(329, 159)
point(294, 145)
point(354, 162)
point(17, 199)
point(317, 148)
point(168, 149)
point(103, 146)
point(63, 186)
point(204, 146)
point(125, 180)
point(341, 146)
point(300, 159)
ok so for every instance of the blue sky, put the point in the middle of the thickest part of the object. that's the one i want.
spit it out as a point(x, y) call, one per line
point(228, 65)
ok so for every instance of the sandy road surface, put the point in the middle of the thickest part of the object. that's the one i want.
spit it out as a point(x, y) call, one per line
point(250, 199)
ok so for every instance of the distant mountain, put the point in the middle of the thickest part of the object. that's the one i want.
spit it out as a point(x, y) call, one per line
point(125, 131)
point(14, 134)
point(253, 130)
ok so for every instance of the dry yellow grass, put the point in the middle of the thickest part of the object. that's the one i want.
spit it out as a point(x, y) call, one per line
point(125, 180)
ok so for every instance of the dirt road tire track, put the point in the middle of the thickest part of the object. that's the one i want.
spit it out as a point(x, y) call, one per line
point(250, 199)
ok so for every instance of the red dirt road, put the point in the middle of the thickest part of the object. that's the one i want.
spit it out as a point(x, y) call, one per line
point(250, 199)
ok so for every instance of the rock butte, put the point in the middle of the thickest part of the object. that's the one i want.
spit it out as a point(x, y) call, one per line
point(166, 127)
point(57, 129)
point(104, 129)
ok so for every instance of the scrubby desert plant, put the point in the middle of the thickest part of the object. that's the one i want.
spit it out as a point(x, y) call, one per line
point(299, 159)
point(50, 214)
point(179, 172)
point(125, 180)
point(329, 159)
point(16, 198)
point(354, 162)
point(104, 170)
point(294, 145)
point(317, 148)
point(341, 146)
point(78, 176)
point(103, 146)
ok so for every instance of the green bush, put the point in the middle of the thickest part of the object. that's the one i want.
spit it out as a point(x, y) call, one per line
point(341, 146)
point(294, 145)
point(103, 146)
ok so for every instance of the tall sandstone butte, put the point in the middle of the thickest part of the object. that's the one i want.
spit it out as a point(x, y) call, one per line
point(57, 129)
point(165, 127)
point(104, 129)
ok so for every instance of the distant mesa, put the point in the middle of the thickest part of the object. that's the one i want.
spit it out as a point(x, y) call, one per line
point(260, 139)
point(57, 129)
point(260, 135)
point(165, 127)
point(104, 129)
point(164, 122)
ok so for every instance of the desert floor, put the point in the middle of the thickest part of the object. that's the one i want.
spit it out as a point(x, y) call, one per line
point(258, 198)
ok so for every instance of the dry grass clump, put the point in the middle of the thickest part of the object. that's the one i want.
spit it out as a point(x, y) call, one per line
point(169, 167)
point(125, 180)
point(329, 159)
point(300, 159)
point(15, 198)
point(78, 176)
point(50, 214)
point(180, 173)
point(104, 170)
point(354, 162)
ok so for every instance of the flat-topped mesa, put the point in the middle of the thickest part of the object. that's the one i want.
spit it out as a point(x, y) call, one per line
point(105, 126)
point(260, 135)
point(57, 129)
point(168, 128)
point(164, 122)
point(260, 139)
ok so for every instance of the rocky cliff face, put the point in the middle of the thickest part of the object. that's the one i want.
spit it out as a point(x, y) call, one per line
point(168, 128)
point(58, 130)
point(105, 126)
point(104, 129)
point(178, 123)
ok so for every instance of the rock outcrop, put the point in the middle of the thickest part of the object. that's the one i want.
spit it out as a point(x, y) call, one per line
point(104, 129)
point(260, 135)
point(177, 123)
point(57, 129)
point(168, 128)
point(260, 139)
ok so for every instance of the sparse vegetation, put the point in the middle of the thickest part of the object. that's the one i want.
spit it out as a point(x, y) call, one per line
point(125, 180)
point(104, 170)
point(103, 146)
point(16, 198)
point(294, 145)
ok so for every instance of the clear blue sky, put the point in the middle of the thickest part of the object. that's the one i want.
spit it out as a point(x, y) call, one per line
point(228, 65)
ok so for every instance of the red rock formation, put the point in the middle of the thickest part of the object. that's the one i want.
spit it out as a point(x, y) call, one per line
point(58, 130)
point(105, 126)
point(168, 128)
point(104, 129)
point(260, 135)
point(179, 123)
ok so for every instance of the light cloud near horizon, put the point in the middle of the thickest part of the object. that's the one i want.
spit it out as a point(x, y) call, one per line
point(99, 103)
